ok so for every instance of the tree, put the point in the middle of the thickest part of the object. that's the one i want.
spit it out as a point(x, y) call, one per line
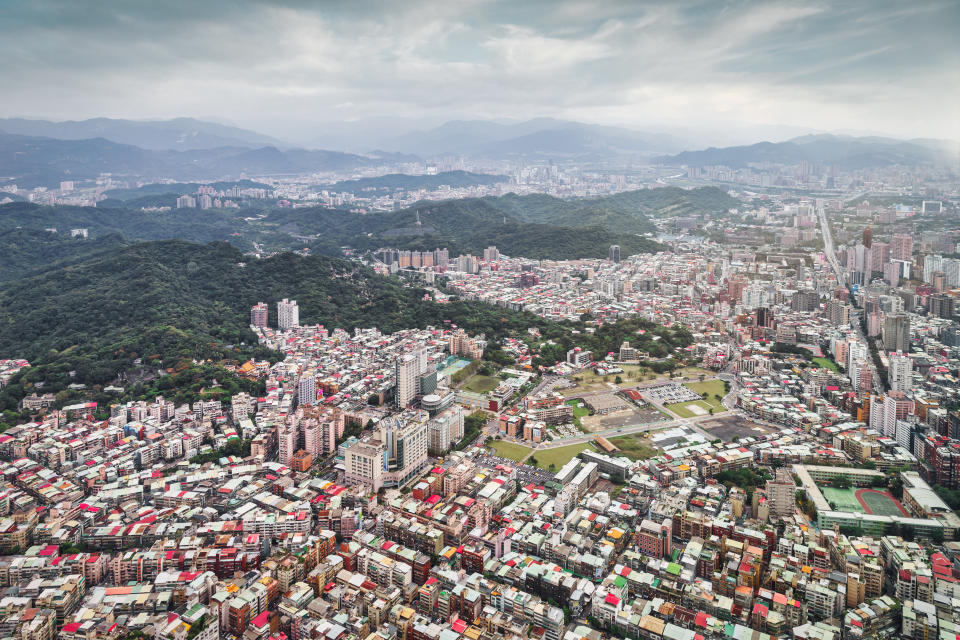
point(937, 536)
point(618, 380)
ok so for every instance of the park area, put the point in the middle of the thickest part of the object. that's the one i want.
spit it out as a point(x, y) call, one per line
point(871, 501)
point(714, 390)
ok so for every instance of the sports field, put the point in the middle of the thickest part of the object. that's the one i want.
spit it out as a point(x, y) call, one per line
point(880, 503)
point(872, 501)
point(843, 499)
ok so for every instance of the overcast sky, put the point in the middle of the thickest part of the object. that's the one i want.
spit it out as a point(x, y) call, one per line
point(291, 68)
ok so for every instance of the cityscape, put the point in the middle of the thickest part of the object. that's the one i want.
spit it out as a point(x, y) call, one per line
point(479, 321)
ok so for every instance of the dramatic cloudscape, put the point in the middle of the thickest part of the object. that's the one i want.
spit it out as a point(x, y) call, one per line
point(293, 69)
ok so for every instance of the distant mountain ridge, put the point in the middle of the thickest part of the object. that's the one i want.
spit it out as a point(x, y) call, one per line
point(533, 138)
point(844, 152)
point(37, 161)
point(178, 134)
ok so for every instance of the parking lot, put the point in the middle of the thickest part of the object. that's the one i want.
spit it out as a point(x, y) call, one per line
point(670, 394)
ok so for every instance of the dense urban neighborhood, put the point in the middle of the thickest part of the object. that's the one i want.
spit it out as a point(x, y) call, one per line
point(753, 437)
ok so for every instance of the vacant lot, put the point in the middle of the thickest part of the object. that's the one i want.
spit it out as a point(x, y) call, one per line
point(634, 446)
point(558, 456)
point(509, 450)
point(481, 384)
point(729, 427)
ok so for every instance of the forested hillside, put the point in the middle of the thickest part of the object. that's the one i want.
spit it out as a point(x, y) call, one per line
point(172, 301)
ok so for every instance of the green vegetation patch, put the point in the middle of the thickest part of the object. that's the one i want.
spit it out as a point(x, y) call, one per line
point(843, 499)
point(825, 363)
point(633, 446)
point(579, 408)
point(509, 450)
point(558, 456)
point(481, 384)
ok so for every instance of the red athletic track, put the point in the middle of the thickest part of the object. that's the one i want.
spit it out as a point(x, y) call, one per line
point(859, 496)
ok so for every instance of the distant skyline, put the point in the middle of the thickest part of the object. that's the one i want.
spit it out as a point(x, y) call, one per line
point(296, 69)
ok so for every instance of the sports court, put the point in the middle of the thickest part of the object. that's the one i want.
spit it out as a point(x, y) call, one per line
point(871, 501)
point(452, 365)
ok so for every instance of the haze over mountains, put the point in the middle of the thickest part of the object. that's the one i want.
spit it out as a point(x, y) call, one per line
point(179, 134)
point(843, 151)
point(541, 136)
point(38, 152)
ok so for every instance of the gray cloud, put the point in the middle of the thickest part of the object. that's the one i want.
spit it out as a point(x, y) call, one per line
point(292, 68)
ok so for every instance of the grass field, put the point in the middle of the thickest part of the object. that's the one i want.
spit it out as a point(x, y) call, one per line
point(685, 410)
point(634, 447)
point(481, 384)
point(710, 387)
point(880, 503)
point(824, 363)
point(509, 450)
point(844, 499)
point(578, 412)
point(558, 456)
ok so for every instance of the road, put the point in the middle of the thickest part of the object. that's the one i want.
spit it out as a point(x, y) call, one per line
point(841, 274)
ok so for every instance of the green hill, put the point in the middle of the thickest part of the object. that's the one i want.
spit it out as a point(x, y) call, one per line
point(29, 251)
point(535, 226)
point(173, 301)
point(400, 181)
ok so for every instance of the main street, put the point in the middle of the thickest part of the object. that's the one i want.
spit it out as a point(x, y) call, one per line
point(841, 275)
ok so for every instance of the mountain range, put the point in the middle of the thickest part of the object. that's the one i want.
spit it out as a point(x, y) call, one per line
point(179, 134)
point(31, 161)
point(540, 137)
point(844, 152)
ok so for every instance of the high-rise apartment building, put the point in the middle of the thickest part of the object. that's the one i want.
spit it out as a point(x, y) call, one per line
point(406, 371)
point(896, 332)
point(613, 255)
point(258, 315)
point(781, 492)
point(942, 306)
point(307, 388)
point(288, 314)
point(900, 372)
point(901, 247)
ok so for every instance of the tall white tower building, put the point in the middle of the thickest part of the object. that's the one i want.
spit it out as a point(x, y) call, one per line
point(288, 314)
